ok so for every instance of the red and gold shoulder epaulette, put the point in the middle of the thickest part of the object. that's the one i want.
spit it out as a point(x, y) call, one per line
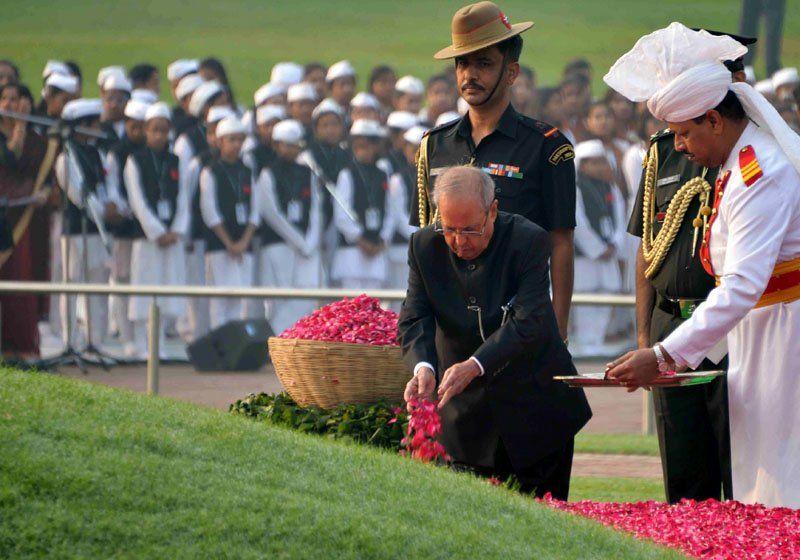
point(748, 165)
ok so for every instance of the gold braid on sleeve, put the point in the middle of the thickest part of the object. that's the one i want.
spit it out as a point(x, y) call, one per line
point(655, 248)
point(423, 199)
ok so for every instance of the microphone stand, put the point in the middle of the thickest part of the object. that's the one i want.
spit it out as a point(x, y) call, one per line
point(70, 356)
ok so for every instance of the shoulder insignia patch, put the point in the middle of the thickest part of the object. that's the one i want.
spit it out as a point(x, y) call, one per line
point(547, 130)
point(748, 165)
point(562, 153)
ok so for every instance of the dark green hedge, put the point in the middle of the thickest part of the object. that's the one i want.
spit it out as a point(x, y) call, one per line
point(362, 423)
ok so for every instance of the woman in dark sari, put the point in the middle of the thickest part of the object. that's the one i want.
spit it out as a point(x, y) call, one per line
point(21, 154)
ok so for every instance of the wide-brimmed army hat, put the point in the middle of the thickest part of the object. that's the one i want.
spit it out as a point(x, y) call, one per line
point(478, 26)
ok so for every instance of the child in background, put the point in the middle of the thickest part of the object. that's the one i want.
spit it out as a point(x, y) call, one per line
point(230, 212)
point(599, 238)
point(360, 260)
point(152, 179)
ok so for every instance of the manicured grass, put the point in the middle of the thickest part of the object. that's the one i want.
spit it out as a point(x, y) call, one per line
point(88, 471)
point(617, 444)
point(251, 35)
point(616, 489)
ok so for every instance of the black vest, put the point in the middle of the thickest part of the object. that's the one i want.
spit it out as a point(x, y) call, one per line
point(263, 156)
point(598, 205)
point(182, 121)
point(111, 139)
point(292, 187)
point(370, 186)
point(91, 166)
point(409, 176)
point(397, 159)
point(233, 187)
point(199, 229)
point(331, 160)
point(196, 135)
point(127, 228)
point(159, 181)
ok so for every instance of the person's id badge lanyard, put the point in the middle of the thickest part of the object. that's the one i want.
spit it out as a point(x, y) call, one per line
point(294, 211)
point(372, 215)
point(240, 207)
point(163, 206)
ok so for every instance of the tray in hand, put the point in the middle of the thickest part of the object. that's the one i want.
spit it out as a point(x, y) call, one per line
point(675, 380)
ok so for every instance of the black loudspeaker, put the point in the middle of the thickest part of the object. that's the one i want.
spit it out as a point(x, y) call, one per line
point(235, 346)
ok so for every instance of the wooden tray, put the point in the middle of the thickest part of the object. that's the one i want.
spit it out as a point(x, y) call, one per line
point(677, 380)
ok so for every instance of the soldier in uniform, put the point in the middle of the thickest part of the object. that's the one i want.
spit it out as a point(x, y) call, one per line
point(750, 246)
point(529, 161)
point(692, 422)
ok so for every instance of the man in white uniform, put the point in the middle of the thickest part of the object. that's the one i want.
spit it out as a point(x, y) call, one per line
point(751, 244)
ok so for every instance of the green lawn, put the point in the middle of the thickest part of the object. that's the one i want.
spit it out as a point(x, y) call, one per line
point(617, 444)
point(88, 471)
point(251, 35)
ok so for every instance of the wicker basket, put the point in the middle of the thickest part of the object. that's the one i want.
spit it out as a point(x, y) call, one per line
point(330, 373)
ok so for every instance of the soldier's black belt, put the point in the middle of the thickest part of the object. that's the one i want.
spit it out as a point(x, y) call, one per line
point(680, 308)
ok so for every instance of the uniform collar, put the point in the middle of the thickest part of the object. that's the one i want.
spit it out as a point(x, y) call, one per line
point(507, 125)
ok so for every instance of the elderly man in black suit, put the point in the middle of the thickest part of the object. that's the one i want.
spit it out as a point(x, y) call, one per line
point(478, 327)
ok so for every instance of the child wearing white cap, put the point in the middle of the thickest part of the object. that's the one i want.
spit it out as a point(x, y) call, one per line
point(301, 99)
point(599, 243)
point(80, 174)
point(291, 212)
point(193, 140)
point(152, 178)
point(341, 80)
point(360, 260)
point(230, 211)
point(408, 94)
point(195, 322)
point(401, 189)
point(326, 158)
point(182, 118)
point(397, 124)
point(123, 228)
point(365, 106)
point(260, 153)
point(116, 92)
point(58, 90)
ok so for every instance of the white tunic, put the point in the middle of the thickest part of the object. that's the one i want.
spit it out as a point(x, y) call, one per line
point(756, 228)
point(150, 263)
point(349, 262)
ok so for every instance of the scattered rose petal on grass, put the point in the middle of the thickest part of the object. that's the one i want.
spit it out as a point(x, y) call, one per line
point(708, 530)
point(360, 320)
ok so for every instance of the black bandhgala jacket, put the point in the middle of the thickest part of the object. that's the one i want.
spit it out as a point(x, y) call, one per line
point(516, 400)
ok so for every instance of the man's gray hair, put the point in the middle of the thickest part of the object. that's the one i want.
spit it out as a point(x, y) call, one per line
point(465, 181)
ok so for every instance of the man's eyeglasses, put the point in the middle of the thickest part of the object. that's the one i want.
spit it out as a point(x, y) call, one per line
point(467, 231)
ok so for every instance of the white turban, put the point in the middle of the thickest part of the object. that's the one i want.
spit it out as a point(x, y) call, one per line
point(679, 72)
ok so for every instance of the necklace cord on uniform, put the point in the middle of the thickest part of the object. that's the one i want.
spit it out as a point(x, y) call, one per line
point(655, 248)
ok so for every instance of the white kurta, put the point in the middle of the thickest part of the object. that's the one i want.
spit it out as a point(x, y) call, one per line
point(593, 275)
point(150, 263)
point(294, 263)
point(350, 265)
point(222, 269)
point(756, 228)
